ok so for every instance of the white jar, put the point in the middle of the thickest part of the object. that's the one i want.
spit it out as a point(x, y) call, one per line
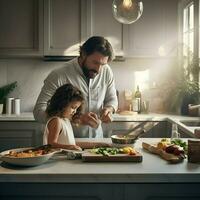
point(16, 106)
point(9, 103)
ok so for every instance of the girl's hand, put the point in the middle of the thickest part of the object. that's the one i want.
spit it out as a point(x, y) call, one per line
point(90, 119)
point(74, 147)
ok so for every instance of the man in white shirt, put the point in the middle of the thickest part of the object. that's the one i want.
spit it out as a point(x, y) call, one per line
point(93, 76)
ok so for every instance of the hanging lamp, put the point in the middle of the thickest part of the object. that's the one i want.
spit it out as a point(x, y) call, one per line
point(127, 11)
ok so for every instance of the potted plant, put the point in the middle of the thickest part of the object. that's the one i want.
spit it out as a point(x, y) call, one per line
point(184, 88)
point(4, 91)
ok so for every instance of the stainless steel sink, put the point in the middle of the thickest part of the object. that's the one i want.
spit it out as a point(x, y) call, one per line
point(190, 122)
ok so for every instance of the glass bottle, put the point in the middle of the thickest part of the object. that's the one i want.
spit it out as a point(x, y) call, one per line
point(137, 97)
point(175, 134)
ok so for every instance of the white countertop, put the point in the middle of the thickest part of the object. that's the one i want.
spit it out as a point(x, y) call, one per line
point(26, 116)
point(153, 169)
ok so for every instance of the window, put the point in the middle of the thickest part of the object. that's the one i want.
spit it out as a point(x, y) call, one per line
point(142, 79)
point(188, 34)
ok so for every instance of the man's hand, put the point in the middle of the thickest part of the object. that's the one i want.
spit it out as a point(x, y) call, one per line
point(90, 119)
point(106, 114)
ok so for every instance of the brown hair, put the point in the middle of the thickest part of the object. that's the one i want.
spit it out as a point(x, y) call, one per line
point(97, 44)
point(62, 97)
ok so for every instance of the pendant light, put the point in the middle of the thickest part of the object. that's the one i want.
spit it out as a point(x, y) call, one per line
point(127, 11)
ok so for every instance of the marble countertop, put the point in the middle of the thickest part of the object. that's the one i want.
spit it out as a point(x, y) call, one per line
point(152, 169)
point(26, 116)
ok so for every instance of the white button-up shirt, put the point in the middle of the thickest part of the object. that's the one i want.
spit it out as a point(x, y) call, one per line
point(99, 92)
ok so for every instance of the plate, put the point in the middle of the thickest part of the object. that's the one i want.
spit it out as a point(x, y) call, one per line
point(27, 161)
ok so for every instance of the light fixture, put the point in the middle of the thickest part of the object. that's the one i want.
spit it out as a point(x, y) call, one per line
point(127, 11)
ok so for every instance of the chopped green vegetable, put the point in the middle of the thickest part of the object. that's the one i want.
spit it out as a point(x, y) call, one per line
point(180, 143)
point(106, 151)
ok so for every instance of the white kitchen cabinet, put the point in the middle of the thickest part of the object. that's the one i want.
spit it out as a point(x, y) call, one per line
point(14, 134)
point(103, 23)
point(21, 23)
point(64, 27)
point(59, 27)
point(155, 33)
point(162, 129)
point(69, 23)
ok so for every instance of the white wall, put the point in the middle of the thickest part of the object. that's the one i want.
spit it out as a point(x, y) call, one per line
point(30, 73)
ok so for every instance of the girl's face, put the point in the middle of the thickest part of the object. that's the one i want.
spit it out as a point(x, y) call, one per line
point(70, 110)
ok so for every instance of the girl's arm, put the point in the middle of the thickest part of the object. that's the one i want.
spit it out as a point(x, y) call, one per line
point(55, 127)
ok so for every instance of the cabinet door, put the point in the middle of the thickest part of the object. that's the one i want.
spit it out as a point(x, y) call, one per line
point(102, 23)
point(64, 21)
point(155, 33)
point(162, 191)
point(61, 191)
point(20, 22)
point(20, 134)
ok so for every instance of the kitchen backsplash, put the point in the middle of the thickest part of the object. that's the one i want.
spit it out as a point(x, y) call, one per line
point(30, 74)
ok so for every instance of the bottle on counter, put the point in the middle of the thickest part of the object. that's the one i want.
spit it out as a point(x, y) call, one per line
point(136, 103)
point(175, 134)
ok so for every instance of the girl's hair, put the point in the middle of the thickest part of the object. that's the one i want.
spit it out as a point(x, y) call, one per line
point(62, 97)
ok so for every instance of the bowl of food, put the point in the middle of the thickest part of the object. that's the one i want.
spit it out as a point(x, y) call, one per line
point(123, 139)
point(133, 134)
point(26, 156)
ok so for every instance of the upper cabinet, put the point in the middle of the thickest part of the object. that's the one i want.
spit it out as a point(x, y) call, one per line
point(155, 33)
point(69, 23)
point(102, 23)
point(20, 22)
point(59, 27)
point(64, 26)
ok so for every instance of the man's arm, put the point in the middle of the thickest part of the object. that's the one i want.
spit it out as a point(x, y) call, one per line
point(110, 100)
point(51, 83)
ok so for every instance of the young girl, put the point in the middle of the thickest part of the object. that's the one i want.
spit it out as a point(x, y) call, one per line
point(65, 104)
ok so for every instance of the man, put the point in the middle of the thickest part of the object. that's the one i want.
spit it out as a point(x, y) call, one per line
point(92, 75)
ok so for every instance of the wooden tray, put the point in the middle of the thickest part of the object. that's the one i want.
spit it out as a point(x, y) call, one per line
point(166, 156)
point(92, 157)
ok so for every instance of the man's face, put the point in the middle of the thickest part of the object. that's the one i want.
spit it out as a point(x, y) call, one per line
point(93, 63)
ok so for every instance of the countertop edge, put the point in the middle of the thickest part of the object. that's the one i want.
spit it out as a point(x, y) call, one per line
point(100, 178)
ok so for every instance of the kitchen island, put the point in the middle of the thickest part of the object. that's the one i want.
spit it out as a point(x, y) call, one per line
point(60, 178)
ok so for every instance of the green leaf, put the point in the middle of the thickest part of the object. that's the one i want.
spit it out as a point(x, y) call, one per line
point(5, 90)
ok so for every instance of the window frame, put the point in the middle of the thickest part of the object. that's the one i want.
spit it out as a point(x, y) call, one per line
point(196, 27)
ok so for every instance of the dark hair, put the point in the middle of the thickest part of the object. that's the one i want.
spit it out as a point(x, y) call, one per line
point(62, 97)
point(97, 44)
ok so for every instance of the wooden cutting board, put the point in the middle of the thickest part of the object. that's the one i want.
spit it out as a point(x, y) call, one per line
point(92, 157)
point(166, 156)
